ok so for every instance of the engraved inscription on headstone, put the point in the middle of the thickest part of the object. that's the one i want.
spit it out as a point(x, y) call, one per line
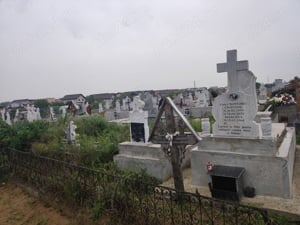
point(235, 110)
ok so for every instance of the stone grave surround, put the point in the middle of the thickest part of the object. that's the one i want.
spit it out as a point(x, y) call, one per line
point(137, 156)
point(137, 153)
point(266, 154)
point(149, 156)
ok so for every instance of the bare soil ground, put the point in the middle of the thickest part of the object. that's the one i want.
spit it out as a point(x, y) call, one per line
point(18, 207)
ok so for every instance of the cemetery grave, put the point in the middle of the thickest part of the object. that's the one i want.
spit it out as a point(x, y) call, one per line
point(265, 150)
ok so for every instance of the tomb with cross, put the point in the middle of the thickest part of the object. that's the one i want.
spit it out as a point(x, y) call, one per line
point(241, 151)
point(232, 66)
point(235, 110)
point(173, 131)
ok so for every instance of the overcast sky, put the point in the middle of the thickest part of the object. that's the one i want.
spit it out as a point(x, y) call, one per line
point(51, 48)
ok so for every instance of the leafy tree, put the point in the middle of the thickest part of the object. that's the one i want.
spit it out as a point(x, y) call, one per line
point(43, 105)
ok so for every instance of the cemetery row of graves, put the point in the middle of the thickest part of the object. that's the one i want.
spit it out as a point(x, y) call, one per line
point(112, 162)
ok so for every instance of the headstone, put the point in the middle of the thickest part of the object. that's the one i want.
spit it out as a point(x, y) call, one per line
point(206, 93)
point(124, 104)
point(201, 99)
point(262, 97)
point(52, 114)
point(3, 114)
point(38, 114)
point(266, 127)
point(71, 133)
point(16, 118)
point(30, 113)
point(100, 107)
point(63, 109)
point(189, 101)
point(139, 129)
point(8, 121)
point(235, 110)
point(178, 100)
point(118, 106)
point(147, 98)
point(267, 155)
point(205, 124)
point(107, 104)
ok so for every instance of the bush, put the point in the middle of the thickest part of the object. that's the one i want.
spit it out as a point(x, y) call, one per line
point(97, 141)
point(6, 134)
point(21, 135)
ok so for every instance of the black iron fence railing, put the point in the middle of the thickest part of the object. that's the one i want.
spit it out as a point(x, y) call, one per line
point(129, 200)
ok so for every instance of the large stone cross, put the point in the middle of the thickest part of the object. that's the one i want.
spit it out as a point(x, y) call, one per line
point(232, 66)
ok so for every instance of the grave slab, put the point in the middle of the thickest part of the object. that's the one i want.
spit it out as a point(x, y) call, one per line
point(148, 156)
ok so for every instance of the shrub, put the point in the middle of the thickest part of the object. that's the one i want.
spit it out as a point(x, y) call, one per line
point(5, 134)
point(24, 133)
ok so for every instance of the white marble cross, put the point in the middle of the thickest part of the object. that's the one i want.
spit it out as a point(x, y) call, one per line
point(138, 104)
point(232, 66)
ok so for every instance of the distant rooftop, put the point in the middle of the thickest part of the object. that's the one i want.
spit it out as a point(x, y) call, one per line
point(71, 97)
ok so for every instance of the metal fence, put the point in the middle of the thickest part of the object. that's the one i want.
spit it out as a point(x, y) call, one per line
point(130, 201)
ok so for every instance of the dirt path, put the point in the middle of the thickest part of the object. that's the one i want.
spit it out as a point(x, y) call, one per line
point(19, 208)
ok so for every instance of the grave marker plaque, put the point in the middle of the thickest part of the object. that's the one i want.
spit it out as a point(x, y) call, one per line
point(137, 132)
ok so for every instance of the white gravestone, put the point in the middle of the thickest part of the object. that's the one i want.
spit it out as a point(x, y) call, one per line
point(30, 113)
point(100, 108)
point(38, 114)
point(205, 124)
point(262, 97)
point(118, 106)
point(71, 133)
point(63, 109)
point(86, 108)
point(139, 129)
point(124, 104)
point(235, 110)
point(107, 104)
point(52, 114)
point(8, 121)
point(3, 114)
point(16, 118)
point(189, 101)
point(201, 99)
point(266, 127)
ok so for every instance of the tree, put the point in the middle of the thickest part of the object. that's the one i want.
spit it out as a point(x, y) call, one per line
point(43, 105)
